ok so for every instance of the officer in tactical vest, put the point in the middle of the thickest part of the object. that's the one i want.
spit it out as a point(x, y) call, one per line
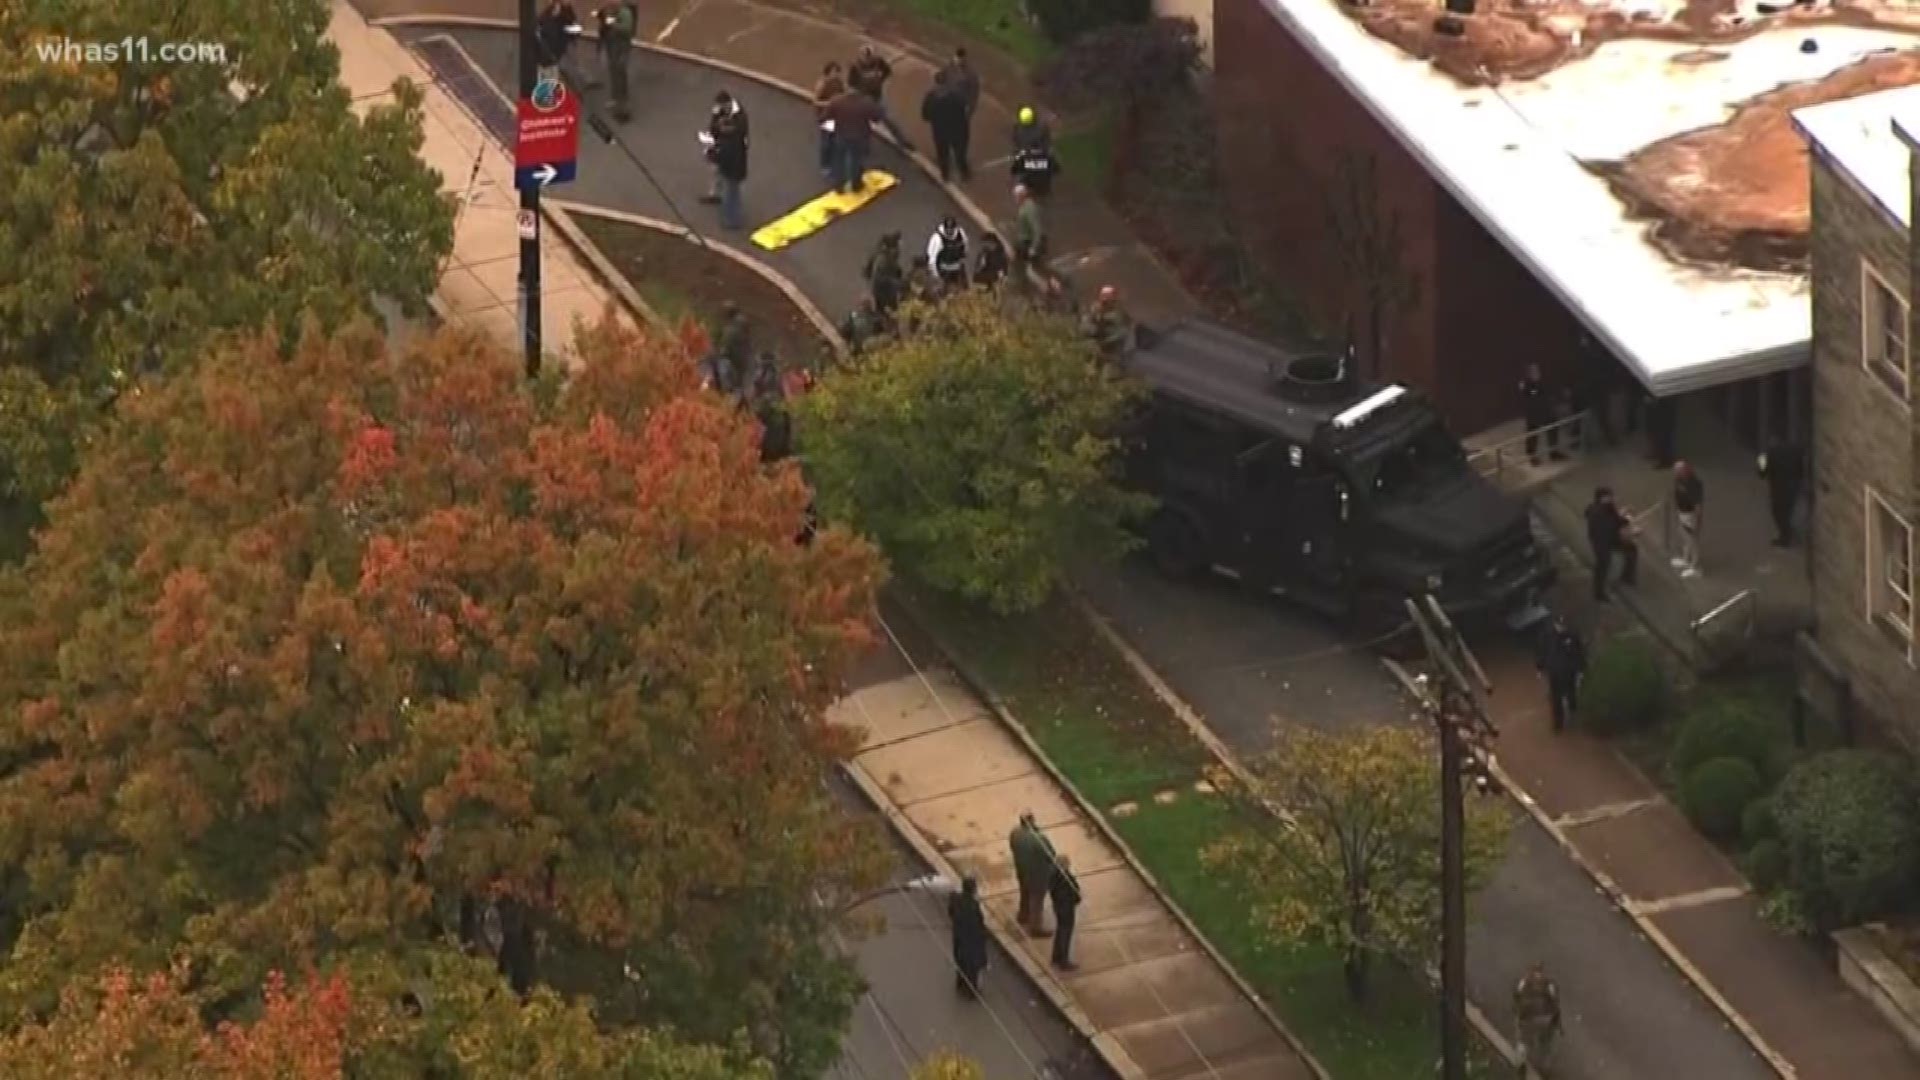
point(947, 250)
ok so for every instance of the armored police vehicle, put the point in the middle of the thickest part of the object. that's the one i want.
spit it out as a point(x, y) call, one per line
point(1284, 472)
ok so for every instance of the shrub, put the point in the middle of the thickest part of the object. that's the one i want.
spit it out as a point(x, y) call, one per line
point(1734, 727)
point(1063, 21)
point(1847, 822)
point(1127, 65)
point(1625, 688)
point(1716, 794)
point(1757, 824)
point(1765, 865)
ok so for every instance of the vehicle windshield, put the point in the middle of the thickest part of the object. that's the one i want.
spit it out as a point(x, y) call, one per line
point(1431, 455)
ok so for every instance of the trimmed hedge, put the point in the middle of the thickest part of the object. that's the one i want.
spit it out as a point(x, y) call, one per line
point(1757, 825)
point(1064, 20)
point(1848, 825)
point(1625, 688)
point(1717, 794)
point(1122, 65)
point(1765, 865)
point(1736, 727)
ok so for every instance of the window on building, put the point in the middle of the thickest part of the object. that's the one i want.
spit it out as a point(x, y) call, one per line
point(1883, 331)
point(1890, 571)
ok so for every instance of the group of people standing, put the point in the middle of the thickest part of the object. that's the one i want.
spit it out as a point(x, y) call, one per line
point(556, 27)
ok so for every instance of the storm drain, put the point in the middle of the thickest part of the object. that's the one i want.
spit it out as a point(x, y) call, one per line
point(468, 85)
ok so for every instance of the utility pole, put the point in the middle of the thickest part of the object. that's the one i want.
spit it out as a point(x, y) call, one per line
point(530, 199)
point(1453, 696)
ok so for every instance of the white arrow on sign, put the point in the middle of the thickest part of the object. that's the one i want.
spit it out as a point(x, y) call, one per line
point(545, 174)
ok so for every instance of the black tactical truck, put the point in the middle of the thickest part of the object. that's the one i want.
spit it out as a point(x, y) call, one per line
point(1284, 472)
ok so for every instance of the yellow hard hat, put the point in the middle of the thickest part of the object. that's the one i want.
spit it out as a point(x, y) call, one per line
point(1026, 115)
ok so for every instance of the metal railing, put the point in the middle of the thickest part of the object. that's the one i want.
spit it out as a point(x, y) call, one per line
point(1740, 611)
point(1570, 432)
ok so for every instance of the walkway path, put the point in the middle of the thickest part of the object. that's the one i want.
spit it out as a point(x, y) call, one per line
point(479, 285)
point(956, 782)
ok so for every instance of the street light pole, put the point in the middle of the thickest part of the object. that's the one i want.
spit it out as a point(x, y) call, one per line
point(1452, 700)
point(530, 200)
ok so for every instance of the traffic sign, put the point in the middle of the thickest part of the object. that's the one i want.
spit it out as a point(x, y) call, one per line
point(547, 140)
point(529, 224)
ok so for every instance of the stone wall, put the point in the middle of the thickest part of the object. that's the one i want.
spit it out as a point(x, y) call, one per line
point(1862, 436)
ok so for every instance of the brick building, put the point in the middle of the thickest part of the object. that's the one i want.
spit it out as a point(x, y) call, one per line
point(1470, 220)
point(1866, 450)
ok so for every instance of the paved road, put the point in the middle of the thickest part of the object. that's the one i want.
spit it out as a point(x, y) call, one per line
point(911, 1009)
point(1239, 661)
point(671, 101)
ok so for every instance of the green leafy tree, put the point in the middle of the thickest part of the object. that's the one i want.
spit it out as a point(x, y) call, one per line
point(977, 449)
point(345, 652)
point(1346, 851)
point(146, 203)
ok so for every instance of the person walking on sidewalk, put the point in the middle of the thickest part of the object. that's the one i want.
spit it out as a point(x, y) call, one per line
point(969, 936)
point(1029, 237)
point(729, 133)
point(1536, 1018)
point(617, 26)
point(1562, 660)
point(831, 85)
point(1064, 890)
point(947, 250)
point(1689, 503)
point(946, 115)
point(1032, 868)
point(852, 115)
point(966, 83)
point(868, 74)
point(1784, 466)
point(1611, 535)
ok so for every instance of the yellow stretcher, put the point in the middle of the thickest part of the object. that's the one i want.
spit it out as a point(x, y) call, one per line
point(822, 212)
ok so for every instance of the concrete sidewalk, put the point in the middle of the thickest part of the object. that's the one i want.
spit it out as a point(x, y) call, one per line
point(954, 781)
point(479, 285)
point(1092, 244)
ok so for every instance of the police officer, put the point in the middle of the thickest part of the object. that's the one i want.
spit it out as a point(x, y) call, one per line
point(886, 282)
point(1107, 325)
point(1784, 465)
point(1536, 411)
point(1536, 1014)
point(617, 24)
point(1562, 660)
point(1029, 132)
point(861, 326)
point(947, 250)
point(1611, 534)
point(1034, 168)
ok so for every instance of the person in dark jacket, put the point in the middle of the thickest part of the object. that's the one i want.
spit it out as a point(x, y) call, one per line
point(555, 30)
point(945, 112)
point(1030, 132)
point(727, 127)
point(1562, 661)
point(852, 115)
point(1784, 466)
point(886, 281)
point(1035, 168)
point(1537, 409)
point(990, 267)
point(1033, 870)
point(831, 85)
point(947, 250)
point(861, 326)
point(969, 936)
point(868, 74)
point(1610, 533)
point(966, 83)
point(1064, 890)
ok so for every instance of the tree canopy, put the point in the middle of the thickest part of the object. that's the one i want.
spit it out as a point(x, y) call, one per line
point(147, 203)
point(1355, 862)
point(328, 656)
point(977, 449)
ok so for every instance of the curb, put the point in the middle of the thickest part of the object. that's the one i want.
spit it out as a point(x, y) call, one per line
point(772, 277)
point(1231, 761)
point(1107, 833)
point(1104, 1044)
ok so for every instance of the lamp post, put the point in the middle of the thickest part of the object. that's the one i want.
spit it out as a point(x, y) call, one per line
point(530, 199)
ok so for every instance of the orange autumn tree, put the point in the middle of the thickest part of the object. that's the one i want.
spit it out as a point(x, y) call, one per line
point(332, 658)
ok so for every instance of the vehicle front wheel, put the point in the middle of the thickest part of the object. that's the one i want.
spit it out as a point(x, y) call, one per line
point(1176, 546)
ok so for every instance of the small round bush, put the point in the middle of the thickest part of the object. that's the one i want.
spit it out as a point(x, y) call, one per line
point(1757, 825)
point(1765, 865)
point(1716, 794)
point(1848, 823)
point(1625, 688)
point(1728, 728)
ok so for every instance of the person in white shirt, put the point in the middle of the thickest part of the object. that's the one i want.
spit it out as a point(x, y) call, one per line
point(947, 252)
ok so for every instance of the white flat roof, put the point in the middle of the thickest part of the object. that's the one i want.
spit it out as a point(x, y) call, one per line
point(1516, 156)
point(1859, 135)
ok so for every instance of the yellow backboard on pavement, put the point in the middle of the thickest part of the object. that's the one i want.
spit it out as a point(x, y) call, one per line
point(822, 212)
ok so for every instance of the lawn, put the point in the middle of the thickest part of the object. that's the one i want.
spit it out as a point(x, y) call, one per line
point(1086, 153)
point(1117, 743)
point(999, 23)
